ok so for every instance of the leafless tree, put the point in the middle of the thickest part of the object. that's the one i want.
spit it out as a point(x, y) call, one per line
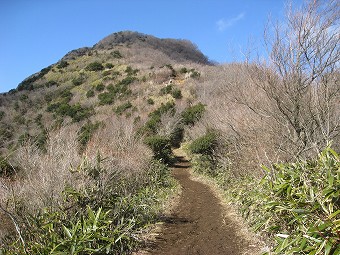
point(300, 79)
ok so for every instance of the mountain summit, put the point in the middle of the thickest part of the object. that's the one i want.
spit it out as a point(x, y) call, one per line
point(178, 50)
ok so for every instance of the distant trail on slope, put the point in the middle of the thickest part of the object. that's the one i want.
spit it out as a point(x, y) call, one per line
point(197, 225)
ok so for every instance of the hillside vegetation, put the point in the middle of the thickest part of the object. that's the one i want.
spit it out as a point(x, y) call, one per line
point(86, 142)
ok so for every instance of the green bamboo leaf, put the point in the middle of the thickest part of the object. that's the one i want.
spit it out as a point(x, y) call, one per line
point(328, 248)
point(67, 231)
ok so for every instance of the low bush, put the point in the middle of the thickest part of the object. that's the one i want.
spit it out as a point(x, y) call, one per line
point(161, 148)
point(51, 83)
point(130, 71)
point(6, 168)
point(2, 115)
point(205, 144)
point(176, 136)
point(176, 93)
point(109, 65)
point(79, 80)
point(106, 98)
point(116, 54)
point(122, 108)
point(150, 101)
point(90, 93)
point(62, 64)
point(100, 87)
point(76, 112)
point(192, 114)
point(28, 84)
point(166, 90)
point(94, 66)
point(85, 133)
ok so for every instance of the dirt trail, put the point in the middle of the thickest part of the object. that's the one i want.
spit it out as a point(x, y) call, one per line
point(197, 225)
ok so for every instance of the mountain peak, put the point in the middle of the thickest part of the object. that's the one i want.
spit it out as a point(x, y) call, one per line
point(177, 49)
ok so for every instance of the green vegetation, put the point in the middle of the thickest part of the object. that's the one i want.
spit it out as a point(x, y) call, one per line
point(166, 90)
point(176, 93)
point(122, 108)
point(76, 112)
point(109, 65)
point(161, 148)
point(205, 144)
point(86, 132)
point(28, 84)
point(130, 71)
point(62, 64)
point(116, 54)
point(90, 93)
point(94, 66)
point(195, 74)
point(51, 83)
point(296, 204)
point(150, 101)
point(152, 125)
point(106, 98)
point(2, 114)
point(103, 219)
point(6, 168)
point(120, 90)
point(79, 80)
point(100, 87)
point(192, 114)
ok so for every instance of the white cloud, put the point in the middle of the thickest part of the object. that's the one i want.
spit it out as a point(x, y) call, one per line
point(223, 24)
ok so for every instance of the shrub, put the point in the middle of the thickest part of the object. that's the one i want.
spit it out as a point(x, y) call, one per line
point(24, 138)
point(27, 84)
point(66, 95)
point(205, 144)
point(192, 114)
point(90, 93)
point(41, 139)
point(62, 64)
point(38, 119)
point(106, 98)
point(51, 83)
point(76, 112)
point(176, 136)
point(6, 168)
point(150, 101)
point(23, 97)
point(130, 71)
point(94, 66)
point(176, 93)
point(123, 107)
point(85, 133)
point(161, 147)
point(19, 119)
point(166, 90)
point(109, 65)
point(79, 80)
point(100, 87)
point(195, 74)
point(116, 54)
point(183, 70)
point(2, 114)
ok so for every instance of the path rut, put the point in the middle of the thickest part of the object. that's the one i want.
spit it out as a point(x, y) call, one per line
point(197, 224)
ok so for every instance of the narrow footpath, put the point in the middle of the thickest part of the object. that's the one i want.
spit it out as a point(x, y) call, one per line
point(197, 224)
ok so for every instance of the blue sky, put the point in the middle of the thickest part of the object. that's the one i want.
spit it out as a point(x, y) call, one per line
point(37, 33)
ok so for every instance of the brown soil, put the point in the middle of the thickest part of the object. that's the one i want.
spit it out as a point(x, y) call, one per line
point(197, 225)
